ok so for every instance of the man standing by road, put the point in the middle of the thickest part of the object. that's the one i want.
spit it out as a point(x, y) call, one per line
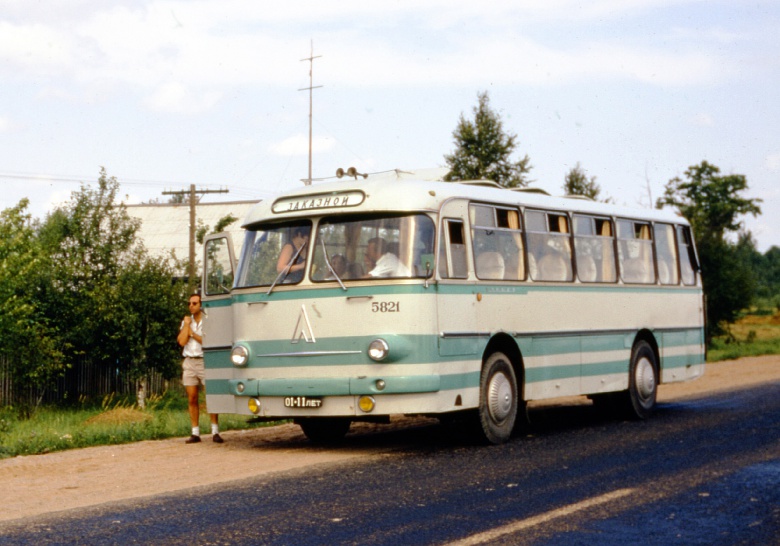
point(194, 372)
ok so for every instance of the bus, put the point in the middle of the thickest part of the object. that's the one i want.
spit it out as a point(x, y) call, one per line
point(363, 299)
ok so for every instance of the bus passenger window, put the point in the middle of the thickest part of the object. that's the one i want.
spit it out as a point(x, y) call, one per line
point(666, 254)
point(549, 246)
point(498, 243)
point(594, 251)
point(635, 252)
point(688, 263)
point(452, 257)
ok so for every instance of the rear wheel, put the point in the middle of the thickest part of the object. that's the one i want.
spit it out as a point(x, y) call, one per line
point(498, 399)
point(324, 430)
point(639, 401)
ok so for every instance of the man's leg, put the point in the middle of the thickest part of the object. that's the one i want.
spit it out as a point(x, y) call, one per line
point(194, 411)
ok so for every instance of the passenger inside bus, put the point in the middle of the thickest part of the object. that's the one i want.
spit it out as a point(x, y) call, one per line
point(292, 258)
point(339, 264)
point(385, 263)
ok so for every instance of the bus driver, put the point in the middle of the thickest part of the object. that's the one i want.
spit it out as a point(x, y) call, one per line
point(386, 264)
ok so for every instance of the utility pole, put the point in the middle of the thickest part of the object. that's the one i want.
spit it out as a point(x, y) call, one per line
point(310, 58)
point(193, 200)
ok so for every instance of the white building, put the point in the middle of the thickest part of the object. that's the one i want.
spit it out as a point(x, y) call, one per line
point(165, 227)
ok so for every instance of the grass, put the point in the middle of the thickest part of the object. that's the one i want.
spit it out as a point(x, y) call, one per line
point(115, 421)
point(756, 333)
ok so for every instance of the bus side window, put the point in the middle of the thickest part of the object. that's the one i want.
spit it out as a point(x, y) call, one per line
point(635, 252)
point(497, 241)
point(452, 251)
point(549, 246)
point(594, 251)
point(666, 254)
point(687, 255)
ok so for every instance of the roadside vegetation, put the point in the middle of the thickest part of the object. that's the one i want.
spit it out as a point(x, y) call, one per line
point(113, 421)
point(79, 285)
point(755, 333)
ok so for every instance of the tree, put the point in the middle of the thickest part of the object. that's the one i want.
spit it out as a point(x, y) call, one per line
point(222, 223)
point(117, 306)
point(483, 150)
point(28, 339)
point(577, 182)
point(713, 205)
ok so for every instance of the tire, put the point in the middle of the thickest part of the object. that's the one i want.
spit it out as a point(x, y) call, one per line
point(498, 399)
point(639, 401)
point(324, 430)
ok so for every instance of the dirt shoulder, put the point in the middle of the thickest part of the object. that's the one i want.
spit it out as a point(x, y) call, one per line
point(40, 484)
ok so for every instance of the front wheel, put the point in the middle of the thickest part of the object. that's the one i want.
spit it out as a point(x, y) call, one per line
point(498, 399)
point(639, 401)
point(324, 430)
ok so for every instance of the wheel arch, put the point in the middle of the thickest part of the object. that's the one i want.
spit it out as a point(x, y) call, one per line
point(506, 344)
point(646, 335)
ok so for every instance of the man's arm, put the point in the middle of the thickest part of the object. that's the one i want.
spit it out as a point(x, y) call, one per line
point(185, 332)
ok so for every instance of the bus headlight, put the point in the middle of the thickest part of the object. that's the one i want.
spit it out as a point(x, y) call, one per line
point(378, 349)
point(366, 404)
point(254, 405)
point(239, 356)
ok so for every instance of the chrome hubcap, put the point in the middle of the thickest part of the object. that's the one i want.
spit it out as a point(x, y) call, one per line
point(499, 397)
point(645, 378)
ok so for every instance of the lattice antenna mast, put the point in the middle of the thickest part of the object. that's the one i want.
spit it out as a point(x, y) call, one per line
point(311, 87)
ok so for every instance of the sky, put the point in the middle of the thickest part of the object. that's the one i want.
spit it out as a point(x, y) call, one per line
point(164, 94)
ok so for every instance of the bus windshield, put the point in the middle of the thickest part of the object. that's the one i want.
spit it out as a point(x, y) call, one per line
point(344, 248)
point(366, 247)
point(274, 254)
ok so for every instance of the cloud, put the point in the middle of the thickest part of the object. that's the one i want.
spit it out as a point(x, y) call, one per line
point(772, 162)
point(175, 97)
point(703, 120)
point(299, 145)
point(5, 124)
point(182, 56)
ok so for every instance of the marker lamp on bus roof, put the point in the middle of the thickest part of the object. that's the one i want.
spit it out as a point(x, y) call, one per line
point(239, 356)
point(378, 349)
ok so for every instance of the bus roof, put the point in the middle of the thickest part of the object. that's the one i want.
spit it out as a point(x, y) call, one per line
point(360, 196)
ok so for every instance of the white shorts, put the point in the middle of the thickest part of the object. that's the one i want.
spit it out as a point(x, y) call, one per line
point(194, 372)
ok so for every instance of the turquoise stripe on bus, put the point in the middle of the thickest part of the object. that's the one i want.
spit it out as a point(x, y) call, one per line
point(418, 349)
point(344, 386)
point(434, 288)
point(682, 361)
point(334, 386)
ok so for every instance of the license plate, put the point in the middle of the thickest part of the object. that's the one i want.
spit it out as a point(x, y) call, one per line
point(302, 402)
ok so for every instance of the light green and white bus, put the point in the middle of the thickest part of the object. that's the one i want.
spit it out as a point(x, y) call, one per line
point(358, 300)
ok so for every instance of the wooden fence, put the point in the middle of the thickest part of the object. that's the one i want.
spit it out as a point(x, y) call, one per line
point(83, 379)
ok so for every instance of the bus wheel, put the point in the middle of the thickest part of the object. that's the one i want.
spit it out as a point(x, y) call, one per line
point(324, 430)
point(639, 401)
point(497, 399)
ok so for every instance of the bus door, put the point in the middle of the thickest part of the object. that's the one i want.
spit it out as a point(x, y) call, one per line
point(216, 284)
point(455, 299)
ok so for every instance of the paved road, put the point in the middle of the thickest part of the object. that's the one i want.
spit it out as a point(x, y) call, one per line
point(705, 471)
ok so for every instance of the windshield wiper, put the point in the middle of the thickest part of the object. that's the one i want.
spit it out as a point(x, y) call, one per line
point(286, 269)
point(330, 267)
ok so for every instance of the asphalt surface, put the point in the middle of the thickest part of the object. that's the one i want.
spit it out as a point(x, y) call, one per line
point(705, 471)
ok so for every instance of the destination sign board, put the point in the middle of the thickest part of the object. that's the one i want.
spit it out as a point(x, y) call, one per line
point(331, 200)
